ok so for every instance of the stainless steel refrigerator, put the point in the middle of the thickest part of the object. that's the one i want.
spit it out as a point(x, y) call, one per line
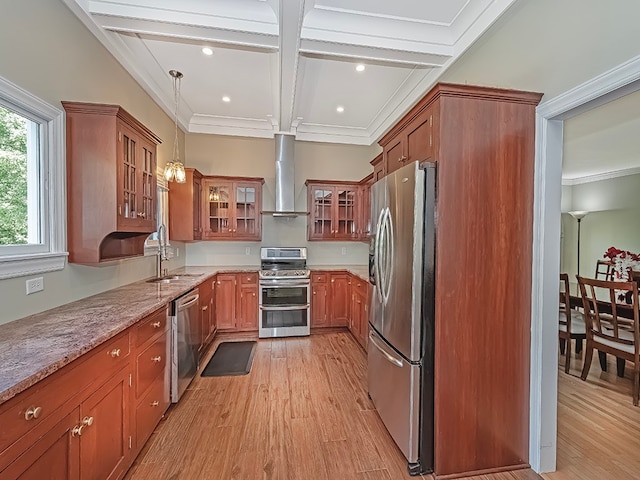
point(401, 338)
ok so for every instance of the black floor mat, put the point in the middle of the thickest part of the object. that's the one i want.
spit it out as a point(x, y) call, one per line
point(230, 358)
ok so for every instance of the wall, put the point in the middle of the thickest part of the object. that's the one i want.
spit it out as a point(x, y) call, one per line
point(613, 220)
point(45, 50)
point(255, 157)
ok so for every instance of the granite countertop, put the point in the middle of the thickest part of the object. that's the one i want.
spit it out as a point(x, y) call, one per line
point(34, 347)
point(361, 271)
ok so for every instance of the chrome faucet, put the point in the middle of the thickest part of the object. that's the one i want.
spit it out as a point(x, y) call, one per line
point(161, 255)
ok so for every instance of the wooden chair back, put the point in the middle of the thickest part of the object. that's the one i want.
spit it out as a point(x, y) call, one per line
point(604, 270)
point(564, 301)
point(607, 330)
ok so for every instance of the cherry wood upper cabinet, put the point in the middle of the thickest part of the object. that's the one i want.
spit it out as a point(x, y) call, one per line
point(111, 183)
point(333, 210)
point(379, 167)
point(232, 208)
point(185, 208)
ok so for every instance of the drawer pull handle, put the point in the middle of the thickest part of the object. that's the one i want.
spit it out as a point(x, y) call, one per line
point(156, 324)
point(156, 359)
point(155, 403)
point(87, 421)
point(32, 412)
point(115, 352)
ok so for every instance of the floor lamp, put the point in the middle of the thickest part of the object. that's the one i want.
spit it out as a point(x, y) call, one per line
point(578, 215)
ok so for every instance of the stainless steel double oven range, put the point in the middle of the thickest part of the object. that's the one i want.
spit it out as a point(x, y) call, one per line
point(284, 292)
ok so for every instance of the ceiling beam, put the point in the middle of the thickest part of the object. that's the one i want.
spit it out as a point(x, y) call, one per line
point(291, 16)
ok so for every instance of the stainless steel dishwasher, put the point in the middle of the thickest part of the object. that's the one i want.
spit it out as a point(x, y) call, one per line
point(185, 340)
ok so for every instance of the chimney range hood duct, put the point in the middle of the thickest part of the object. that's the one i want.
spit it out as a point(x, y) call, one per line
point(285, 177)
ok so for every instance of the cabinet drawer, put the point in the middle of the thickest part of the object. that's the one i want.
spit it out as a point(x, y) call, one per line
point(319, 277)
point(151, 325)
point(359, 286)
point(150, 364)
point(150, 410)
point(248, 278)
point(38, 408)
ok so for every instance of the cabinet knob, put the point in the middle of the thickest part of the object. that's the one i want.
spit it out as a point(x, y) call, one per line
point(156, 359)
point(254, 294)
point(155, 403)
point(205, 307)
point(402, 158)
point(87, 421)
point(77, 430)
point(32, 412)
point(142, 215)
point(314, 292)
point(115, 352)
point(218, 282)
point(156, 324)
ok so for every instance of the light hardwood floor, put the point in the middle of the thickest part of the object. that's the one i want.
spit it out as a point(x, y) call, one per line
point(301, 414)
point(598, 426)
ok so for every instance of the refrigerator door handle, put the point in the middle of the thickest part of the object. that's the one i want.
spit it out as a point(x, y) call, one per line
point(389, 254)
point(395, 361)
point(376, 256)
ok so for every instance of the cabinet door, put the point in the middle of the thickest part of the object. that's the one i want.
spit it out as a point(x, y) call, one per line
point(226, 301)
point(212, 314)
point(247, 307)
point(104, 440)
point(379, 169)
point(247, 212)
point(128, 173)
point(219, 207)
point(205, 314)
point(54, 455)
point(147, 185)
point(321, 201)
point(319, 317)
point(420, 137)
point(340, 299)
point(394, 154)
point(354, 318)
point(197, 208)
point(346, 213)
point(364, 218)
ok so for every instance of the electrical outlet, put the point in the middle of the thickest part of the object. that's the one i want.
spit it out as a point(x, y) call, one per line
point(247, 251)
point(35, 285)
point(344, 250)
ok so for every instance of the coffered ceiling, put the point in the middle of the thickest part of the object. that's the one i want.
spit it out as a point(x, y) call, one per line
point(287, 65)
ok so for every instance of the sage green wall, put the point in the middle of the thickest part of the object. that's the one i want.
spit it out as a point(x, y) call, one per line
point(613, 220)
point(47, 51)
point(255, 157)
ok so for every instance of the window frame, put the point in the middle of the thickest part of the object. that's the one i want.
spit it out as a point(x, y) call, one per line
point(51, 254)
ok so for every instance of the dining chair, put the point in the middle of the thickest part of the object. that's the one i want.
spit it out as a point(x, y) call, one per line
point(611, 332)
point(604, 270)
point(571, 324)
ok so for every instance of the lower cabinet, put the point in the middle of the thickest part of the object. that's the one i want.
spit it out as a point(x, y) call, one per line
point(340, 299)
point(90, 419)
point(237, 300)
point(206, 291)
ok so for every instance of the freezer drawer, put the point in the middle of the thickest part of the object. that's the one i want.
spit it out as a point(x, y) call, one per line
point(394, 387)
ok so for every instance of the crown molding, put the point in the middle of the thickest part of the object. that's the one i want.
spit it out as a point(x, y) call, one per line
point(601, 176)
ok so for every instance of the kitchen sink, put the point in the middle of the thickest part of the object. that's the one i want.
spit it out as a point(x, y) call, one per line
point(171, 278)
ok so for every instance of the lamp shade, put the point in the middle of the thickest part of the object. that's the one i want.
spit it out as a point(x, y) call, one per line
point(578, 214)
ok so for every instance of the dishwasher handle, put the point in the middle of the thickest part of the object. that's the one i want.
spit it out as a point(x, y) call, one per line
point(187, 301)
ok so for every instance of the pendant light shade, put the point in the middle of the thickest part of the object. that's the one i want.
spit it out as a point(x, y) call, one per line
point(174, 169)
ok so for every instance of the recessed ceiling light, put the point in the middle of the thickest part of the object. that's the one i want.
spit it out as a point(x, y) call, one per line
point(360, 67)
point(226, 99)
point(207, 51)
point(339, 109)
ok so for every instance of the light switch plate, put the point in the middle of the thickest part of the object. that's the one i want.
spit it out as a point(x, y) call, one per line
point(35, 285)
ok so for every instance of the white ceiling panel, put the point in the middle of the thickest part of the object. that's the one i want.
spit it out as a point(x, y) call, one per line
point(326, 84)
point(242, 75)
point(427, 11)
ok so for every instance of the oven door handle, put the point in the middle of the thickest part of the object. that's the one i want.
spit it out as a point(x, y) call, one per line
point(297, 307)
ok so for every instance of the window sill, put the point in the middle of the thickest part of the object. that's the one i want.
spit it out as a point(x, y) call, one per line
point(31, 264)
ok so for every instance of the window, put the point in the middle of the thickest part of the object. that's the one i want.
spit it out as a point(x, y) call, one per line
point(32, 191)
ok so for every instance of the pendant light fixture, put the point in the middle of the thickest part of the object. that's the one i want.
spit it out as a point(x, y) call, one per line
point(174, 169)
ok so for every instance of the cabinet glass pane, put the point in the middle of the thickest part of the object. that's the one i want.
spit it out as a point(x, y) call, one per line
point(218, 212)
point(245, 210)
point(148, 189)
point(129, 187)
point(346, 212)
point(322, 200)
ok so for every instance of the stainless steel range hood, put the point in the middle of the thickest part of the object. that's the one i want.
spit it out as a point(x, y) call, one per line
point(285, 178)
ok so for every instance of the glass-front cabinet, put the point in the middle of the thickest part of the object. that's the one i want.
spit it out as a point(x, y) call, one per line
point(232, 208)
point(333, 211)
